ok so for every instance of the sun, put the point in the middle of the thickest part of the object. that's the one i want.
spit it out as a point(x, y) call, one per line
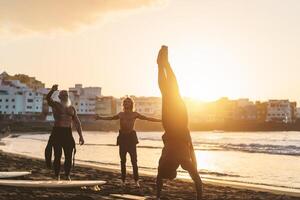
point(206, 73)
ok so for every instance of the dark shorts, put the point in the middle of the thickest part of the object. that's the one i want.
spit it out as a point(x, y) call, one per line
point(175, 155)
point(60, 138)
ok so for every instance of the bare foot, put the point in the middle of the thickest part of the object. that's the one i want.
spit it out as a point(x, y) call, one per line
point(137, 183)
point(162, 57)
point(123, 184)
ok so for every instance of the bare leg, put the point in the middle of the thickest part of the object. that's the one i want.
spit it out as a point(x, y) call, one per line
point(163, 62)
point(159, 185)
point(171, 78)
point(192, 170)
point(162, 80)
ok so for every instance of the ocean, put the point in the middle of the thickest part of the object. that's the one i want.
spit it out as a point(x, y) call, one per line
point(259, 159)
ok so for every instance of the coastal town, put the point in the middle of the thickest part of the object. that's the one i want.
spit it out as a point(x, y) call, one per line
point(22, 98)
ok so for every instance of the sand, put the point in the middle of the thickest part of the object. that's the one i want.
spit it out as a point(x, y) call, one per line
point(176, 189)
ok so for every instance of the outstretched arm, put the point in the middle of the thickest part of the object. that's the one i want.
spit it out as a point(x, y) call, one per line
point(115, 117)
point(78, 127)
point(142, 117)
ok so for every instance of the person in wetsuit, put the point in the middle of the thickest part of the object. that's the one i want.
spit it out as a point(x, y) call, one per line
point(127, 139)
point(178, 148)
point(61, 136)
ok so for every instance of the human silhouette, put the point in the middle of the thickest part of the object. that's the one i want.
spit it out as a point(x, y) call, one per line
point(61, 138)
point(178, 148)
point(127, 139)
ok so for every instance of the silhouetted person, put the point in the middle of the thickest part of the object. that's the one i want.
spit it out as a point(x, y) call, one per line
point(178, 148)
point(127, 139)
point(61, 136)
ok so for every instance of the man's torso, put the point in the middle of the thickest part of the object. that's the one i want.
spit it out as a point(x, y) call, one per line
point(63, 115)
point(127, 120)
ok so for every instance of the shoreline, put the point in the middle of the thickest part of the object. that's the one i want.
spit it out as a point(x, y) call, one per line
point(227, 126)
point(147, 180)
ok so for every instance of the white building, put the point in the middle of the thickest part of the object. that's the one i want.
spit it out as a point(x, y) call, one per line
point(149, 106)
point(106, 106)
point(244, 102)
point(279, 111)
point(17, 99)
point(84, 98)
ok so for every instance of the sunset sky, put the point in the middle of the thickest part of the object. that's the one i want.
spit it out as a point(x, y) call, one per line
point(234, 48)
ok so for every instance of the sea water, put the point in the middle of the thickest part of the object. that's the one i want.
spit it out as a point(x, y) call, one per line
point(255, 158)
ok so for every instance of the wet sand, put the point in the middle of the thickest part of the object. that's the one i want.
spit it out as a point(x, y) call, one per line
point(177, 189)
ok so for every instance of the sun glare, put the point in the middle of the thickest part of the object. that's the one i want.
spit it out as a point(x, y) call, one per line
point(205, 73)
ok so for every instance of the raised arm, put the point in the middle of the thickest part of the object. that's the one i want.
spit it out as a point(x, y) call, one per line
point(49, 98)
point(115, 117)
point(142, 117)
point(78, 127)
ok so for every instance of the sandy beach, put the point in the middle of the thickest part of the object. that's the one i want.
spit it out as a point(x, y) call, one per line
point(176, 189)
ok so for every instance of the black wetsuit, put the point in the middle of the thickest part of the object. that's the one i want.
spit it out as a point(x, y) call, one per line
point(127, 142)
point(60, 139)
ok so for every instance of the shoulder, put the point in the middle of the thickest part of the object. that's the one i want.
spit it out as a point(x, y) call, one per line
point(136, 114)
point(73, 109)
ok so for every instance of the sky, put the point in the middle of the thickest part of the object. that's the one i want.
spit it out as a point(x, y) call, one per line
point(233, 48)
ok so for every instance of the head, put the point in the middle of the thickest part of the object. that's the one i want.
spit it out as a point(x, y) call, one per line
point(128, 104)
point(64, 97)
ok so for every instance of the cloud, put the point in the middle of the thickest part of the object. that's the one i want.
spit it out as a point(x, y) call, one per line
point(50, 15)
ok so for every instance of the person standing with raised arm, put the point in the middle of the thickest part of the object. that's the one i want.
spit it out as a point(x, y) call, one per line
point(178, 148)
point(61, 137)
point(127, 139)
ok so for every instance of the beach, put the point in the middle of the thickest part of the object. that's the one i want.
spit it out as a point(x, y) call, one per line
point(177, 189)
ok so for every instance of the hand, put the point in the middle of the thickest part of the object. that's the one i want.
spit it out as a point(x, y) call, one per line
point(81, 140)
point(54, 87)
point(162, 57)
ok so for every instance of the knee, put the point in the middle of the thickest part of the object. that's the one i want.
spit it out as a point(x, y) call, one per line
point(196, 178)
point(68, 160)
point(123, 160)
point(133, 160)
point(57, 158)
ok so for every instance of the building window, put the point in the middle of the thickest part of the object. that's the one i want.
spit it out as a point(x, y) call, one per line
point(29, 100)
point(13, 106)
point(30, 94)
point(0, 100)
point(0, 112)
point(6, 106)
point(6, 100)
point(37, 107)
point(12, 100)
point(29, 107)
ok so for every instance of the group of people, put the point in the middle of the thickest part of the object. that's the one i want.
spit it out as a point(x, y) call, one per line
point(178, 148)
